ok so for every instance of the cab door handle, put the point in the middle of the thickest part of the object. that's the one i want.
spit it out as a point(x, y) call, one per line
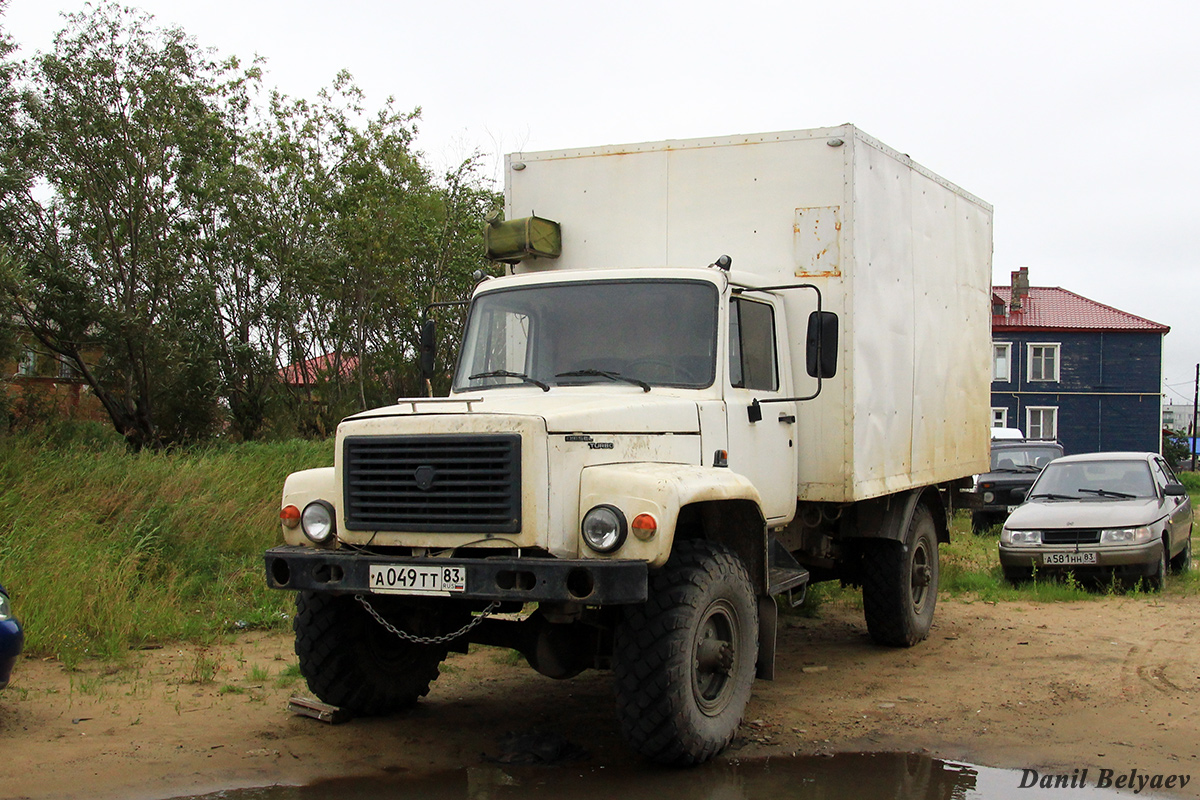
point(790, 419)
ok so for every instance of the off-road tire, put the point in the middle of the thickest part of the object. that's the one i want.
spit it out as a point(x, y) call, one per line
point(1182, 563)
point(900, 582)
point(353, 662)
point(685, 659)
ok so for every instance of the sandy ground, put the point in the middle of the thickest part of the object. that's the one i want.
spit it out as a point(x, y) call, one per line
point(1113, 683)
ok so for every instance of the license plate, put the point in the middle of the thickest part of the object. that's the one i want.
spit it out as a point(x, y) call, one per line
point(1011, 509)
point(417, 580)
point(1053, 559)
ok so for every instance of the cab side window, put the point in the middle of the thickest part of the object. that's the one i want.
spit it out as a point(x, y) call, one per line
point(752, 357)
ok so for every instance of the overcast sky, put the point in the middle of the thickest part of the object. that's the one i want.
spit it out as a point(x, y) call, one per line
point(1077, 120)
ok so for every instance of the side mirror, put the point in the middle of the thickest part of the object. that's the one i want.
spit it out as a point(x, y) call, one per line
point(822, 349)
point(428, 348)
point(1018, 496)
point(1175, 490)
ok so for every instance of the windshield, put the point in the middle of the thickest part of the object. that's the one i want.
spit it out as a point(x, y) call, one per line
point(1023, 459)
point(1095, 479)
point(642, 333)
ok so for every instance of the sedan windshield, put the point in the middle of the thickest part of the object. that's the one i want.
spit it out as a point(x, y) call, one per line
point(1113, 479)
point(637, 333)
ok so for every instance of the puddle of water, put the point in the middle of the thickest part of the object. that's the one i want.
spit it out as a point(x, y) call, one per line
point(881, 776)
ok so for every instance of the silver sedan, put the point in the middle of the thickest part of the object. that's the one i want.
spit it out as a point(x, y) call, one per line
point(1101, 515)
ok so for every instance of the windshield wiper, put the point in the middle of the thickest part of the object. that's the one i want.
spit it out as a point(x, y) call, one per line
point(601, 373)
point(503, 373)
point(1053, 496)
point(1109, 493)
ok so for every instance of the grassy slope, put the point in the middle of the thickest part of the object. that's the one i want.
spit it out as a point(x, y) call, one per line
point(103, 550)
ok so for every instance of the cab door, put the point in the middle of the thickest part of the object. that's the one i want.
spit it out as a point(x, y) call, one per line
point(763, 450)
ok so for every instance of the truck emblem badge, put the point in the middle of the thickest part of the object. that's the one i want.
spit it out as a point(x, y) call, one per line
point(600, 445)
point(424, 476)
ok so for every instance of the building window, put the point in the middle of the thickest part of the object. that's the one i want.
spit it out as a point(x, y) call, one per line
point(66, 369)
point(1043, 362)
point(999, 417)
point(1002, 362)
point(28, 363)
point(1041, 422)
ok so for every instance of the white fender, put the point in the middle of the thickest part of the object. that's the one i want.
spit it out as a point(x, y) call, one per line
point(660, 490)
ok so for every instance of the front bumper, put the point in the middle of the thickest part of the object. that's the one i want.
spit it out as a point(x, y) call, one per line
point(1138, 559)
point(524, 580)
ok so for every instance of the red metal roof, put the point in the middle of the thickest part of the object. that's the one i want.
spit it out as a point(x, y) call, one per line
point(1052, 308)
point(308, 372)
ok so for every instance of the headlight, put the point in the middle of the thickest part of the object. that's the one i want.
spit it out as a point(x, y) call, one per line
point(317, 521)
point(604, 528)
point(5, 609)
point(1020, 538)
point(989, 497)
point(1126, 535)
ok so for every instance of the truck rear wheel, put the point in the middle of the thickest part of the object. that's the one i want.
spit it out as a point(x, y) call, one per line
point(900, 583)
point(353, 662)
point(685, 659)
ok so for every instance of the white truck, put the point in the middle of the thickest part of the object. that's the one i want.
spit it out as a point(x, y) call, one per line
point(716, 371)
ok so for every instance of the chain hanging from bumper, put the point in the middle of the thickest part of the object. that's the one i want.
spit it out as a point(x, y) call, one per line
point(412, 637)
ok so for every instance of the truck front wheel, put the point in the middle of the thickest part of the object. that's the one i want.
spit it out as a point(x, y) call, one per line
point(685, 659)
point(353, 662)
point(900, 583)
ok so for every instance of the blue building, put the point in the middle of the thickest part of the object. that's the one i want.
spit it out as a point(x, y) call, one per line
point(1068, 368)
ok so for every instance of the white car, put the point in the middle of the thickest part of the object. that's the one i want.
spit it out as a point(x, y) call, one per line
point(1100, 515)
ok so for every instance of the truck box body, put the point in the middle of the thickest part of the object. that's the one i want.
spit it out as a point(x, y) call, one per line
point(902, 256)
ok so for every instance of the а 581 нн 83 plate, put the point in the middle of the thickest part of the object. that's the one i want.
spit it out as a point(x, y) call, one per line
point(1055, 559)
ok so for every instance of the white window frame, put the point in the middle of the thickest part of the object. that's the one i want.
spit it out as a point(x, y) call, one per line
point(27, 366)
point(1038, 431)
point(1056, 347)
point(999, 417)
point(1006, 377)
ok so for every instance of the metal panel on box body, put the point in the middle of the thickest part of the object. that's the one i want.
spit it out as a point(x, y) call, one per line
point(909, 405)
point(679, 203)
point(915, 331)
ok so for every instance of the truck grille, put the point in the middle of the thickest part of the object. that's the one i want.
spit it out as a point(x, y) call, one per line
point(438, 484)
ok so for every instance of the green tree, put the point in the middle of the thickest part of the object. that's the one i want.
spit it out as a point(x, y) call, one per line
point(125, 124)
point(1175, 447)
point(371, 237)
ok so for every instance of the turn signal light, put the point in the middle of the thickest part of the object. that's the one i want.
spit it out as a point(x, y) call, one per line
point(644, 526)
point(289, 516)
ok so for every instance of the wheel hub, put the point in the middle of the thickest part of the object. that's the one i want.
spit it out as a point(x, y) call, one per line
point(714, 657)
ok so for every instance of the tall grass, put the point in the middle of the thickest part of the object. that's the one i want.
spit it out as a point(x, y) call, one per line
point(103, 550)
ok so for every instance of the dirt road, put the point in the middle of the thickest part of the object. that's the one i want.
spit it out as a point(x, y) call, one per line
point(1108, 684)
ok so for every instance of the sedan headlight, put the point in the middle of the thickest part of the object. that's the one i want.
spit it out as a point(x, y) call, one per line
point(317, 521)
point(604, 528)
point(1126, 535)
point(1020, 538)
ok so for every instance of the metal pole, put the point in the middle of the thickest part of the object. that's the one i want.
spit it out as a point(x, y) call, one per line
point(1195, 403)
